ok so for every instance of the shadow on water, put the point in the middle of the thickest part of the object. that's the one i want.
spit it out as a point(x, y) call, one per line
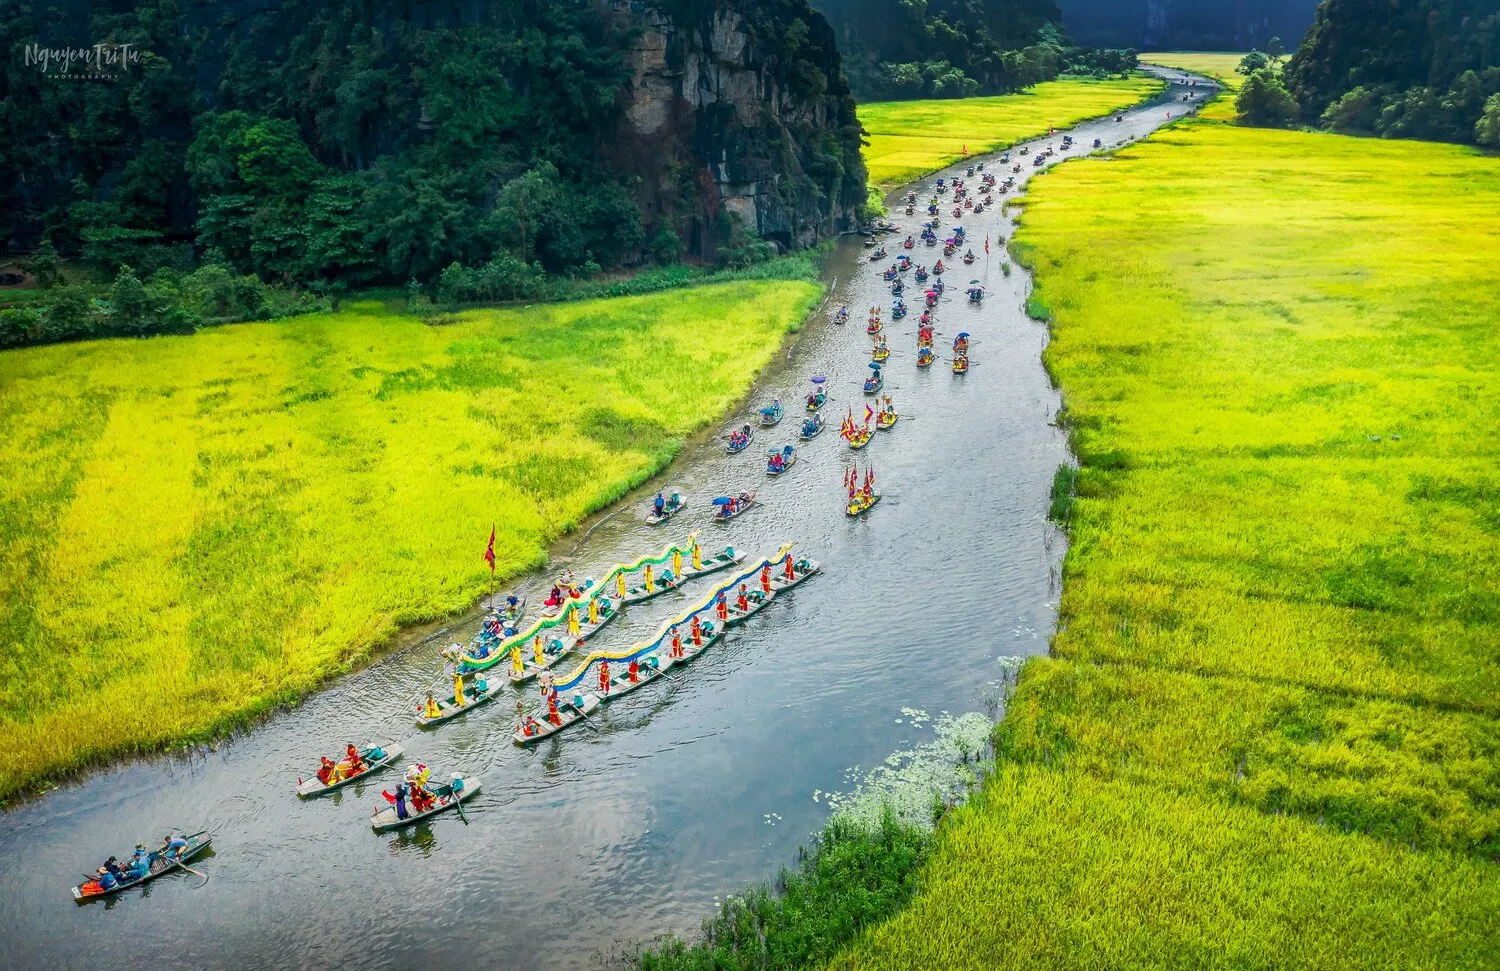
point(681, 792)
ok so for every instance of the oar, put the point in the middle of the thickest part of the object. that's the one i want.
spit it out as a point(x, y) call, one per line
point(458, 804)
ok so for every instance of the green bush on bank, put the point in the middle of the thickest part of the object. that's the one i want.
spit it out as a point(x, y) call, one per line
point(852, 878)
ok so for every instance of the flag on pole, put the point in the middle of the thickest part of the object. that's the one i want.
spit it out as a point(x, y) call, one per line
point(489, 551)
point(986, 244)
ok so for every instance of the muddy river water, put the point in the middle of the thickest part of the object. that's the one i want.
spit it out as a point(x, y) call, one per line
point(679, 793)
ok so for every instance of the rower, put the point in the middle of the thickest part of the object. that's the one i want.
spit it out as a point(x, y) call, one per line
point(660, 503)
point(175, 845)
point(140, 863)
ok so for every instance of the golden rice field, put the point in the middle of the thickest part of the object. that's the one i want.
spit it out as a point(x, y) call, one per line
point(1269, 732)
point(1216, 65)
point(908, 139)
point(194, 529)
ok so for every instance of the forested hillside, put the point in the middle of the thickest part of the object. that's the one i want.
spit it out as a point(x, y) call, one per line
point(1187, 25)
point(353, 143)
point(1425, 69)
point(956, 48)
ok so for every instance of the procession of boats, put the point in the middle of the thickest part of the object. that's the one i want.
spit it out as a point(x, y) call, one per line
point(505, 654)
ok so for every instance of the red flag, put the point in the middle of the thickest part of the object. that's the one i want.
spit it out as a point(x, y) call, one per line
point(489, 551)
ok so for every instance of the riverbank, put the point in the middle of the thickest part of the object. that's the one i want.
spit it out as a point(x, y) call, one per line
point(1267, 732)
point(198, 529)
point(908, 139)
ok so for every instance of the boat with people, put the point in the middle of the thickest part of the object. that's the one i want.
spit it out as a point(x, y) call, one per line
point(739, 440)
point(925, 357)
point(727, 508)
point(818, 398)
point(875, 381)
point(938, 268)
point(880, 351)
point(886, 417)
point(969, 257)
point(410, 804)
point(811, 427)
point(961, 364)
point(466, 697)
point(143, 865)
point(976, 293)
point(856, 436)
point(652, 586)
point(862, 495)
point(663, 508)
point(770, 415)
point(577, 708)
point(921, 274)
point(780, 460)
point(961, 343)
point(898, 310)
point(357, 764)
point(873, 327)
point(842, 316)
point(878, 255)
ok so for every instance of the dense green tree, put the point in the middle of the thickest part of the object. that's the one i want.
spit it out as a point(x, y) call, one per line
point(44, 266)
point(1252, 62)
point(1487, 128)
point(1425, 68)
point(1265, 102)
point(1274, 48)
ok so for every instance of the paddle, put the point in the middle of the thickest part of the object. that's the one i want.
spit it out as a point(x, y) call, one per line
point(458, 804)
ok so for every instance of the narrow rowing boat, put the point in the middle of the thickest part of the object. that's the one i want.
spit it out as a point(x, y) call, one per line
point(742, 507)
point(722, 560)
point(384, 820)
point(574, 710)
point(653, 518)
point(160, 864)
point(860, 504)
point(376, 757)
point(758, 600)
point(477, 692)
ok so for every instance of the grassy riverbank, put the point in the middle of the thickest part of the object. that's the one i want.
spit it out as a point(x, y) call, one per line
point(1269, 732)
point(194, 529)
point(911, 138)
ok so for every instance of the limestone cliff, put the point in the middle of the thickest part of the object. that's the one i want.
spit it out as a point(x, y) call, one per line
point(737, 117)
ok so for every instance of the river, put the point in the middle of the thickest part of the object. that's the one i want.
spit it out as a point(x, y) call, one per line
point(679, 793)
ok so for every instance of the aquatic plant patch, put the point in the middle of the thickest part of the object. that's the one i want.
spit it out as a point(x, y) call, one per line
point(195, 529)
point(908, 139)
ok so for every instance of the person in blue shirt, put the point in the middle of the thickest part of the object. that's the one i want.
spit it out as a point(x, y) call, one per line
point(660, 502)
point(107, 881)
point(140, 864)
point(175, 845)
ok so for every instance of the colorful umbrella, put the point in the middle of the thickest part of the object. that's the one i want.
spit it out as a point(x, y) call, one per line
point(818, 379)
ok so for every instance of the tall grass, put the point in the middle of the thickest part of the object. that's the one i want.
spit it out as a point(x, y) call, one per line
point(195, 529)
point(908, 139)
point(1269, 733)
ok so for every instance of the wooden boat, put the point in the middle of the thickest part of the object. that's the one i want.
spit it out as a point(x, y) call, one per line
point(743, 507)
point(196, 844)
point(789, 458)
point(733, 449)
point(811, 428)
point(880, 352)
point(859, 505)
point(925, 357)
point(875, 383)
point(758, 600)
point(873, 327)
point(770, 415)
point(449, 711)
point(666, 583)
point(885, 420)
point(309, 788)
point(568, 712)
point(672, 509)
point(817, 400)
point(878, 255)
point(648, 669)
point(969, 258)
point(860, 438)
point(841, 316)
point(385, 820)
point(960, 365)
